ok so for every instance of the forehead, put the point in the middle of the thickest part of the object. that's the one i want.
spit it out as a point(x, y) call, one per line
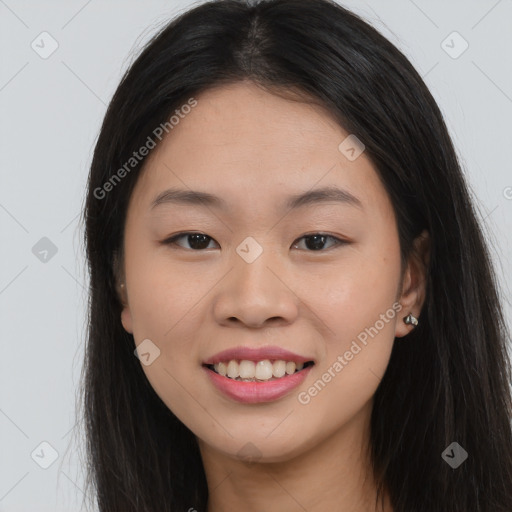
point(247, 118)
point(244, 143)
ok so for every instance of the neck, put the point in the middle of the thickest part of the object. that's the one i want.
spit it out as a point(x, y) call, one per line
point(334, 474)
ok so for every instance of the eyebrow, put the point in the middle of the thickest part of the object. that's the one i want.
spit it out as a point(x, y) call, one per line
point(198, 198)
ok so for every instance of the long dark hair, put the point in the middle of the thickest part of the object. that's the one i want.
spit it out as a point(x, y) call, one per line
point(448, 382)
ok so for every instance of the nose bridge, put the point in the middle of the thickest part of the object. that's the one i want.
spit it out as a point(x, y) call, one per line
point(253, 261)
point(254, 290)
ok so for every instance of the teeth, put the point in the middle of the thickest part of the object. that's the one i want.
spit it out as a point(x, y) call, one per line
point(221, 369)
point(232, 370)
point(247, 369)
point(261, 370)
point(279, 368)
point(290, 367)
point(264, 370)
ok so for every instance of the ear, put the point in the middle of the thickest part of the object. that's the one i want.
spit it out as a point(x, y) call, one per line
point(122, 292)
point(414, 283)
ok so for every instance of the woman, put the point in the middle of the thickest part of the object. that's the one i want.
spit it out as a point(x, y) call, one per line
point(292, 304)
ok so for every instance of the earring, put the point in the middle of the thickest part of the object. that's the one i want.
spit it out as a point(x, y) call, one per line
point(411, 319)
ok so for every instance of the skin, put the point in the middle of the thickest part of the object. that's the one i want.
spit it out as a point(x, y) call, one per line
point(254, 149)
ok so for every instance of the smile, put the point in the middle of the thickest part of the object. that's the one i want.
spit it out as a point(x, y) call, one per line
point(254, 371)
point(257, 381)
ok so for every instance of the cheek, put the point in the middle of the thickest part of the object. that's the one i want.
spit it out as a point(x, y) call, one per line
point(359, 308)
point(353, 296)
point(160, 293)
point(165, 308)
point(355, 358)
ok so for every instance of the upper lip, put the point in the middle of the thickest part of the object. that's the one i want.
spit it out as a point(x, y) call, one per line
point(256, 354)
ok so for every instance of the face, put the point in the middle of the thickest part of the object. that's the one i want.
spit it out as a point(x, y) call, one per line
point(319, 277)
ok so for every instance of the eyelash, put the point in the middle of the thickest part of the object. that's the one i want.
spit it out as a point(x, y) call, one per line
point(172, 240)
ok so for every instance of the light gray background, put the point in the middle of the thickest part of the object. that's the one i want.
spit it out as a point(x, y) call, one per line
point(51, 110)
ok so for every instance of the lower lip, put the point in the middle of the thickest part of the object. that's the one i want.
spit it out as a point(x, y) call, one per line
point(257, 392)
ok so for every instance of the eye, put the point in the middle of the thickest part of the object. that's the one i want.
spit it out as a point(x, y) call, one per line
point(200, 241)
point(316, 241)
point(197, 241)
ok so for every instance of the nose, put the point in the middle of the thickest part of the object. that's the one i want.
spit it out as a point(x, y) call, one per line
point(256, 294)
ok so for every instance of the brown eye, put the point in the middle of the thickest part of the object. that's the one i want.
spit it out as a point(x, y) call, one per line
point(199, 241)
point(196, 241)
point(316, 241)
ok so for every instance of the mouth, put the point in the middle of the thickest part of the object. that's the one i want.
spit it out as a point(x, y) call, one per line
point(257, 382)
point(266, 370)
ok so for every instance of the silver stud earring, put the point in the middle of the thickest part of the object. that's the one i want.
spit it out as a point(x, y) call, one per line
point(411, 319)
